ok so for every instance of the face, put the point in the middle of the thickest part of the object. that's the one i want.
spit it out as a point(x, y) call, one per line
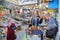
point(9, 20)
point(47, 17)
point(39, 28)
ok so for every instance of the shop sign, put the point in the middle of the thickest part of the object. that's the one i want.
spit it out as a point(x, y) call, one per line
point(25, 2)
point(9, 5)
point(12, 1)
point(50, 10)
point(49, 0)
point(54, 4)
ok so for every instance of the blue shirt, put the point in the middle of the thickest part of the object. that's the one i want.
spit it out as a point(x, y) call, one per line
point(51, 23)
point(33, 20)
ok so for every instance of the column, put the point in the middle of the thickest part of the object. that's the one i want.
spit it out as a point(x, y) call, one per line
point(58, 34)
point(59, 18)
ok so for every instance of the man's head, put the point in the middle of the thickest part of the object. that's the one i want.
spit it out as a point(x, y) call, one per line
point(39, 28)
point(19, 28)
point(47, 16)
point(41, 14)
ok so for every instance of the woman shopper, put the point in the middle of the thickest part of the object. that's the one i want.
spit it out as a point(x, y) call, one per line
point(10, 31)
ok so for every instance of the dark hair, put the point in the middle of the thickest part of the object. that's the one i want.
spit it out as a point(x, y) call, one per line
point(38, 16)
point(30, 25)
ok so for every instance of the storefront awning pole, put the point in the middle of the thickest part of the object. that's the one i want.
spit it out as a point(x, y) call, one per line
point(59, 18)
point(58, 34)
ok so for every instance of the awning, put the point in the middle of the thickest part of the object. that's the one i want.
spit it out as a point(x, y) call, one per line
point(50, 10)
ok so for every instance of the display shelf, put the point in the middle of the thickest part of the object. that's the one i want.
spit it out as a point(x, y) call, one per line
point(2, 33)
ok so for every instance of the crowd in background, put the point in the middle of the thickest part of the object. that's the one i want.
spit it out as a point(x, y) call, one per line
point(40, 27)
point(44, 25)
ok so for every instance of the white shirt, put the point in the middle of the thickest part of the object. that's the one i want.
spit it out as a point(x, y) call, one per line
point(34, 37)
point(18, 35)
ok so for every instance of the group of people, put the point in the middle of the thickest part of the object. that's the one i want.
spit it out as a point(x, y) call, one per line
point(51, 27)
point(35, 29)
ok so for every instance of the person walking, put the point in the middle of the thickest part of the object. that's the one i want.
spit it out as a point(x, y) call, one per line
point(10, 31)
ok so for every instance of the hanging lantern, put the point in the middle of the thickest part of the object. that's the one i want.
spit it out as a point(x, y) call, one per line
point(18, 11)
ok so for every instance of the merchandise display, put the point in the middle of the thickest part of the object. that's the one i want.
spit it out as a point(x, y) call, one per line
point(2, 33)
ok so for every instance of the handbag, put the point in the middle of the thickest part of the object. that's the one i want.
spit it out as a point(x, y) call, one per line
point(51, 33)
point(14, 27)
point(14, 36)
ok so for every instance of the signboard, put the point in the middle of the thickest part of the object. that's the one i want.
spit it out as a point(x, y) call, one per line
point(53, 4)
point(48, 0)
point(50, 10)
point(25, 2)
point(12, 1)
point(9, 5)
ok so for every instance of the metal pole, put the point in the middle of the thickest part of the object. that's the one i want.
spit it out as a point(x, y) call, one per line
point(59, 18)
point(58, 33)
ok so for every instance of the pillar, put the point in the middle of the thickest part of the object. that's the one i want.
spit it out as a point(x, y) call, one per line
point(58, 34)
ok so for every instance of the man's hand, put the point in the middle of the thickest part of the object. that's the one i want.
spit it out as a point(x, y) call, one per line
point(46, 25)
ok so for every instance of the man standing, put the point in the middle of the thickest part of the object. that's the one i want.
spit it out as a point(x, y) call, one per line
point(51, 26)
